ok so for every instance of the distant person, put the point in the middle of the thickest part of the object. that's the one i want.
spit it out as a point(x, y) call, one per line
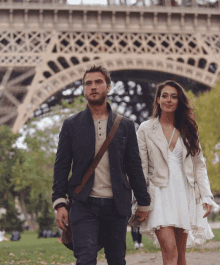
point(26, 226)
point(50, 233)
point(137, 237)
point(175, 171)
point(104, 204)
point(45, 233)
point(58, 233)
point(16, 236)
point(2, 235)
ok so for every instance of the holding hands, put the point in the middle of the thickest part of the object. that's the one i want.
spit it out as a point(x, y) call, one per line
point(141, 216)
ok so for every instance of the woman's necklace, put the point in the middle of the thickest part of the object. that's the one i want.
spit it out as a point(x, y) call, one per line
point(167, 128)
point(167, 131)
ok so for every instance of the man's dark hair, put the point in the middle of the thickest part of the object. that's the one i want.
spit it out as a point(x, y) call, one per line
point(101, 69)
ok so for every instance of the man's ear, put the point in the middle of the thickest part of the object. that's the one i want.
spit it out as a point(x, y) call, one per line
point(108, 88)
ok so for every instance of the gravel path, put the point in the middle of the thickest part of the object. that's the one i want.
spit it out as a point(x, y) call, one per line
point(192, 258)
point(215, 225)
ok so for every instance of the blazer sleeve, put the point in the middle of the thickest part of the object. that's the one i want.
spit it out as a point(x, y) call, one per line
point(62, 166)
point(134, 170)
point(201, 175)
point(143, 152)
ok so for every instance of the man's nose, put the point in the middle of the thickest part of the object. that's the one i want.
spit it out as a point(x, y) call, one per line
point(93, 85)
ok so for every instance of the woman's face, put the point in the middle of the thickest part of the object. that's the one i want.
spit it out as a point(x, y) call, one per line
point(168, 99)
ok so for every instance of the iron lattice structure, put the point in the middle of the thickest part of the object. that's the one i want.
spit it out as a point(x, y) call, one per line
point(187, 3)
point(46, 48)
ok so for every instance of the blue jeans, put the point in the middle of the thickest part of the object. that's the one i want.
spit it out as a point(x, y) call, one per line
point(94, 222)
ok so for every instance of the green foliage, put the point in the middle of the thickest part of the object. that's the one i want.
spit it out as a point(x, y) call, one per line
point(32, 174)
point(30, 171)
point(79, 103)
point(207, 115)
point(8, 155)
point(10, 221)
point(31, 250)
point(46, 219)
point(7, 159)
point(215, 217)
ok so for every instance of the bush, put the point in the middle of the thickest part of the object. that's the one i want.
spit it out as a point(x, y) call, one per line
point(46, 219)
point(10, 221)
point(215, 217)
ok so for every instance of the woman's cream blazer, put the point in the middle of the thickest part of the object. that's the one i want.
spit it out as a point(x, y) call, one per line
point(153, 151)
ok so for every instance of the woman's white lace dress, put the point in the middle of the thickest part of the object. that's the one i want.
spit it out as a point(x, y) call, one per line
point(175, 205)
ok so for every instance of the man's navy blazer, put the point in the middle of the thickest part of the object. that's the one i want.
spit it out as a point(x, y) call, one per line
point(77, 148)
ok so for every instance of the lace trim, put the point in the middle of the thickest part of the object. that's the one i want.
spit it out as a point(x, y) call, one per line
point(191, 202)
point(208, 200)
point(197, 235)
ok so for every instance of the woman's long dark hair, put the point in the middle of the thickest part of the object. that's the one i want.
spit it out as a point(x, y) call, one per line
point(184, 120)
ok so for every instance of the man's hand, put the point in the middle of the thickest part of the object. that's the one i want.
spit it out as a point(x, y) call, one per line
point(207, 207)
point(141, 216)
point(62, 215)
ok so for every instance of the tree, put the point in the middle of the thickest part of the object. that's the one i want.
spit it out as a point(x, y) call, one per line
point(33, 169)
point(27, 173)
point(7, 159)
point(46, 218)
point(207, 115)
point(10, 220)
point(8, 155)
point(31, 174)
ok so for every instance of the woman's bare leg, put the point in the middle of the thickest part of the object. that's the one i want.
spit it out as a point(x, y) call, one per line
point(167, 239)
point(181, 239)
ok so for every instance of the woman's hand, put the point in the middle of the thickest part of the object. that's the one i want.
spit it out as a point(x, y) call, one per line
point(207, 207)
point(141, 216)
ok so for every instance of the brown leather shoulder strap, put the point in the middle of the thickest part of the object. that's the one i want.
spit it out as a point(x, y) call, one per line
point(99, 155)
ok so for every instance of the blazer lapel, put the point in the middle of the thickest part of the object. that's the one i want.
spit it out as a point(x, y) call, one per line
point(111, 119)
point(87, 125)
point(157, 137)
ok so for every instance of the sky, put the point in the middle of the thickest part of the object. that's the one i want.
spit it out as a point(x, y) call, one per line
point(104, 2)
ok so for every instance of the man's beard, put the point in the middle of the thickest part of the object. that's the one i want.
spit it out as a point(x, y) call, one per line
point(97, 102)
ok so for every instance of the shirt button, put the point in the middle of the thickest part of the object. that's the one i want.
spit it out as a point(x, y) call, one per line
point(99, 128)
point(99, 134)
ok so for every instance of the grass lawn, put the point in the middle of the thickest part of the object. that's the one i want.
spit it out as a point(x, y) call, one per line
point(31, 250)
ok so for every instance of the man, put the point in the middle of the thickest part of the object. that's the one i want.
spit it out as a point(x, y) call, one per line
point(101, 210)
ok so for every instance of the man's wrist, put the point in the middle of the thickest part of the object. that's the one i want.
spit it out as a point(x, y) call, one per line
point(59, 205)
point(143, 208)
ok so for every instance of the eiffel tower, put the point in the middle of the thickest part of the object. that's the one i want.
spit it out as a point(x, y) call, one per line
point(46, 45)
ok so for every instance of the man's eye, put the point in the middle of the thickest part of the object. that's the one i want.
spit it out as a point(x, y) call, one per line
point(99, 81)
point(88, 83)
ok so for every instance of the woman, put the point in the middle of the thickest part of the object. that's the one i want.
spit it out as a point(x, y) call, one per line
point(176, 174)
